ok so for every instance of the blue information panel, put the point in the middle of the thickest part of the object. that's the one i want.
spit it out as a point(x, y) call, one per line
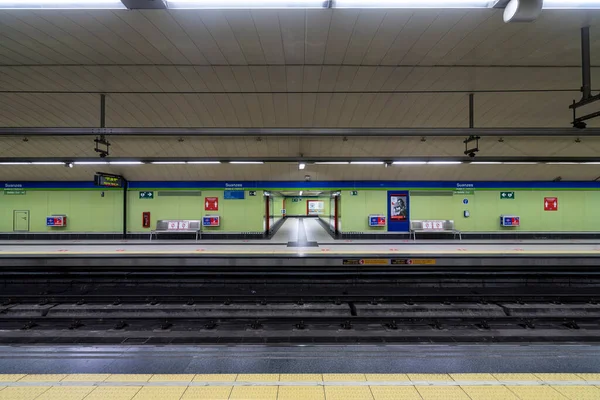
point(377, 220)
point(211, 220)
point(56, 220)
point(234, 195)
point(510, 220)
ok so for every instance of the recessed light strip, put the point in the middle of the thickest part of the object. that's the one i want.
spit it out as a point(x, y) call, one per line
point(61, 4)
point(244, 4)
point(413, 3)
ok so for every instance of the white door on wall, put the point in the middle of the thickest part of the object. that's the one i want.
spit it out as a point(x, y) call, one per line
point(21, 220)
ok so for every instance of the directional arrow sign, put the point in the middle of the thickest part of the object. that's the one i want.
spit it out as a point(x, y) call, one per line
point(146, 195)
point(507, 195)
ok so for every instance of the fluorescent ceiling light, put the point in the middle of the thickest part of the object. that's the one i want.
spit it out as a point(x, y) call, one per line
point(520, 163)
point(90, 162)
point(562, 163)
point(47, 163)
point(444, 162)
point(592, 163)
point(333, 163)
point(413, 3)
point(244, 4)
point(61, 4)
point(567, 4)
point(204, 162)
point(167, 162)
point(486, 162)
point(301, 166)
point(246, 162)
point(409, 162)
point(14, 163)
point(301, 192)
point(125, 162)
point(367, 162)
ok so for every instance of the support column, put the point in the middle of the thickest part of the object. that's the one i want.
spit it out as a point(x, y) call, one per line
point(586, 77)
point(471, 110)
point(125, 187)
point(102, 111)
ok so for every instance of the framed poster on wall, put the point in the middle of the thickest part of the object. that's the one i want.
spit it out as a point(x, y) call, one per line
point(315, 207)
point(398, 207)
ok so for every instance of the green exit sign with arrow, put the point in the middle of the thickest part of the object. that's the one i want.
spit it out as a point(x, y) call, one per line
point(507, 195)
point(146, 195)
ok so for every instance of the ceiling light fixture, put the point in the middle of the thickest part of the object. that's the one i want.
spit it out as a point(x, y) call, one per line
point(61, 4)
point(204, 162)
point(409, 162)
point(522, 10)
point(444, 162)
point(15, 163)
point(301, 192)
point(562, 163)
point(333, 163)
point(246, 162)
point(520, 163)
point(571, 4)
point(413, 3)
point(244, 4)
point(366, 162)
point(125, 162)
point(47, 163)
point(90, 162)
point(167, 162)
point(301, 166)
point(486, 162)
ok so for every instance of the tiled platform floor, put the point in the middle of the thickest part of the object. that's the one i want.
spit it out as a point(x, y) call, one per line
point(301, 387)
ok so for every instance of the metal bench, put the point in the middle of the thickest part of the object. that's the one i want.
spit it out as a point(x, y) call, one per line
point(433, 226)
point(176, 226)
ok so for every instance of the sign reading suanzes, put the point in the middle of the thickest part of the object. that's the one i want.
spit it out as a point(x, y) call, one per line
point(179, 225)
point(433, 225)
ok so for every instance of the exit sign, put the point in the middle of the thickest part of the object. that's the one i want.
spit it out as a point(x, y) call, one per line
point(146, 195)
point(507, 195)
point(354, 193)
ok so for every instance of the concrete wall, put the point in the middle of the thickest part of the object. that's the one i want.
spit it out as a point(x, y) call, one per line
point(578, 210)
point(356, 210)
point(86, 210)
point(89, 211)
point(247, 215)
point(299, 208)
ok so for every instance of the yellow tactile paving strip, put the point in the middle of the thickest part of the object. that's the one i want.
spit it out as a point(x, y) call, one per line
point(516, 386)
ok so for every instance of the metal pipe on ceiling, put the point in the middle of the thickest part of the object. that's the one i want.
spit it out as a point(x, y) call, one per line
point(302, 132)
point(294, 159)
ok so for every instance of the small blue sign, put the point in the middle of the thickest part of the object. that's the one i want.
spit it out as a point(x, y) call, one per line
point(234, 195)
point(211, 220)
point(465, 201)
point(50, 221)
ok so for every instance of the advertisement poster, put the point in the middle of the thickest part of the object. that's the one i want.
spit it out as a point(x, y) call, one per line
point(398, 207)
point(315, 207)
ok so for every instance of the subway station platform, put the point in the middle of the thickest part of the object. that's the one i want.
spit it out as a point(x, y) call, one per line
point(304, 242)
point(305, 372)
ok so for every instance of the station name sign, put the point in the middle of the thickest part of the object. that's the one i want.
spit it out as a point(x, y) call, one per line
point(107, 180)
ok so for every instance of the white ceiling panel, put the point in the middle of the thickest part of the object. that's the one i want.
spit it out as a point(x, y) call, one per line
point(241, 37)
point(288, 78)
